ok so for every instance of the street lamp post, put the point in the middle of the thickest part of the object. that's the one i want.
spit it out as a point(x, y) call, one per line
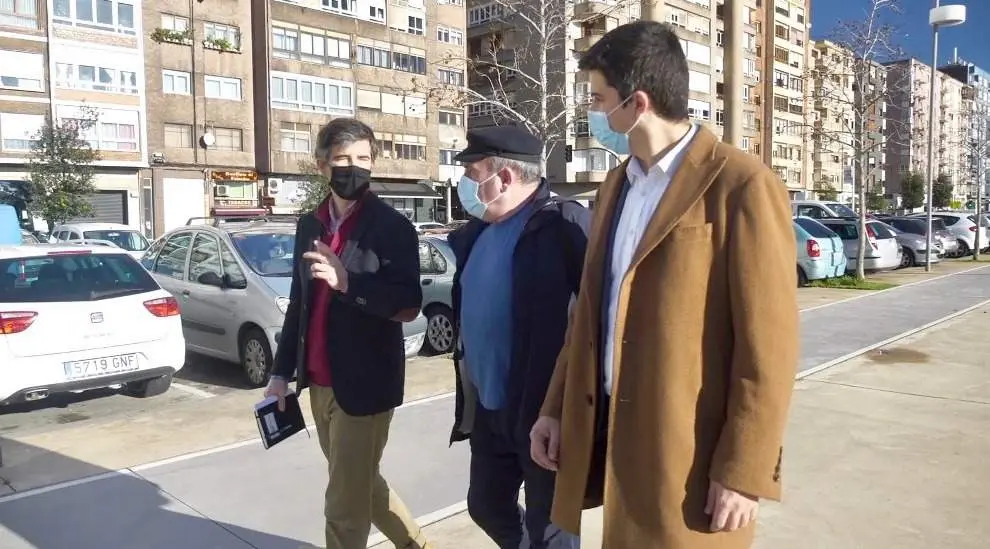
point(939, 16)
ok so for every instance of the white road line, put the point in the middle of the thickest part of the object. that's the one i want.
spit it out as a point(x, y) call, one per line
point(425, 520)
point(868, 293)
point(195, 391)
point(61, 485)
point(826, 365)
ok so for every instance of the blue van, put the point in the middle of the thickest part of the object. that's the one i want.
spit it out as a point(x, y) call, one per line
point(10, 226)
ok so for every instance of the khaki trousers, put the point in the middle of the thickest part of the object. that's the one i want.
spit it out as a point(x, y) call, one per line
point(357, 495)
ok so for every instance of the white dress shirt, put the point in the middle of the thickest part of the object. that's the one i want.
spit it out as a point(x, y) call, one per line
point(645, 191)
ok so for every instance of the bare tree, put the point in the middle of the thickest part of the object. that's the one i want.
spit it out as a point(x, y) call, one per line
point(850, 94)
point(517, 65)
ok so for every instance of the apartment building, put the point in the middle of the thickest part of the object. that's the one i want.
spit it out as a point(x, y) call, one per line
point(975, 127)
point(378, 61)
point(83, 59)
point(907, 120)
point(844, 121)
point(200, 105)
point(787, 114)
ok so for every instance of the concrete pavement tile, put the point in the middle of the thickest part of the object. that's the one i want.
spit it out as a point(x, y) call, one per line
point(816, 297)
point(280, 490)
point(119, 511)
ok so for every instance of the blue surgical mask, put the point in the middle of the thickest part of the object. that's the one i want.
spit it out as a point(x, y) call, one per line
point(467, 191)
point(610, 139)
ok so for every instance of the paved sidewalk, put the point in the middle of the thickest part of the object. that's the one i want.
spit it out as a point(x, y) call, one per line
point(247, 497)
point(886, 450)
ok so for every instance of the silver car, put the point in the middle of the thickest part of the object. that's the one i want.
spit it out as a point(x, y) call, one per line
point(436, 272)
point(882, 249)
point(232, 281)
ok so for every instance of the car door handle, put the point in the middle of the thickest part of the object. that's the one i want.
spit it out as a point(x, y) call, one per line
point(427, 281)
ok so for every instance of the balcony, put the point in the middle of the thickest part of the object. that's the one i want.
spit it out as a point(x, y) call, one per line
point(585, 42)
point(586, 11)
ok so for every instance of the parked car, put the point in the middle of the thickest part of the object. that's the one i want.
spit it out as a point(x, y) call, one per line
point(233, 280)
point(820, 252)
point(437, 267)
point(426, 226)
point(944, 240)
point(74, 318)
point(882, 250)
point(818, 209)
point(963, 226)
point(28, 238)
point(914, 247)
point(108, 234)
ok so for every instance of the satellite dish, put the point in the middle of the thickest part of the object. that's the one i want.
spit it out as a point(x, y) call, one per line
point(208, 140)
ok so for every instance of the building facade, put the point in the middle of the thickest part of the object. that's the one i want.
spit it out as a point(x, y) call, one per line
point(975, 128)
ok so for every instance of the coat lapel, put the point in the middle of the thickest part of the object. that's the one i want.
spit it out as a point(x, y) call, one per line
point(696, 173)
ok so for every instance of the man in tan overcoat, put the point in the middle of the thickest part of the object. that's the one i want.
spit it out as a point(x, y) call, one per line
point(669, 400)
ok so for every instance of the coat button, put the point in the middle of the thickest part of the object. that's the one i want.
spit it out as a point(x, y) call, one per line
point(590, 399)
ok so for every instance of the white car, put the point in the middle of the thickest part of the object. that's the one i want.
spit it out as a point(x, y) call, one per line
point(75, 317)
point(963, 226)
point(116, 235)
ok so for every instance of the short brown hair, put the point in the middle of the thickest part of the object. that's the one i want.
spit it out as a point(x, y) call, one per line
point(344, 131)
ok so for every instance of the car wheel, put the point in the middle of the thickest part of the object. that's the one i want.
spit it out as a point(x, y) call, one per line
point(907, 258)
point(439, 329)
point(963, 249)
point(256, 357)
point(148, 387)
point(802, 278)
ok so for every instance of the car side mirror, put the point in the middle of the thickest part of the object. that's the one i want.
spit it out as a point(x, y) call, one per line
point(210, 278)
point(234, 283)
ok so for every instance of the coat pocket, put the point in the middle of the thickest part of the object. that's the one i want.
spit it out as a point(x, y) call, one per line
point(690, 233)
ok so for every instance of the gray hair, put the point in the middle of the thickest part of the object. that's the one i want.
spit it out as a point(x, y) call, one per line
point(344, 131)
point(528, 172)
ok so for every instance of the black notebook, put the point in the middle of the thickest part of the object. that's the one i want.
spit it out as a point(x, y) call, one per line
point(274, 426)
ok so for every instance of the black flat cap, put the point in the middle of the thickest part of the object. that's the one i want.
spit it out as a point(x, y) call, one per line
point(512, 142)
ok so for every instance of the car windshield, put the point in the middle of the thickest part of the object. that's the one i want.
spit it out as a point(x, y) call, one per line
point(132, 241)
point(846, 231)
point(72, 277)
point(814, 228)
point(267, 253)
point(841, 209)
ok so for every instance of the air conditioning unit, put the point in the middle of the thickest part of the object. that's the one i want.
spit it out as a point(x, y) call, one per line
point(221, 190)
point(274, 185)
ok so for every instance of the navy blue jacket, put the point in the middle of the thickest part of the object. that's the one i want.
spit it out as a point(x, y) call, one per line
point(546, 273)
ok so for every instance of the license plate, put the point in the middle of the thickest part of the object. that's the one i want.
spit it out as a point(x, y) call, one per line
point(96, 367)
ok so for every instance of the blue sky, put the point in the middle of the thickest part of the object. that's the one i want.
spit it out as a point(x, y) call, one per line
point(915, 36)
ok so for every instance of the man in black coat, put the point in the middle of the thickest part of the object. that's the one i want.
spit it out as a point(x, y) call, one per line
point(355, 280)
point(518, 268)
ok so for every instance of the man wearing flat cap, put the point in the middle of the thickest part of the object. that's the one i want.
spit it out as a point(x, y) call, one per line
point(519, 264)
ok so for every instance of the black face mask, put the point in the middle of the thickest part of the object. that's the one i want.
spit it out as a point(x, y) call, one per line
point(349, 182)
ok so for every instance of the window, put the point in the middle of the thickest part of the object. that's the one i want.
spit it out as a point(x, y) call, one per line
point(451, 118)
point(175, 82)
point(89, 77)
point(175, 22)
point(216, 32)
point(780, 31)
point(94, 277)
point(295, 137)
point(781, 55)
point(309, 93)
point(109, 15)
point(409, 151)
point(719, 117)
point(376, 13)
point(342, 6)
point(447, 157)
point(375, 57)
point(19, 131)
point(480, 15)
point(19, 13)
point(114, 130)
point(222, 87)
point(697, 53)
point(204, 259)
point(407, 62)
point(228, 139)
point(178, 136)
point(231, 268)
point(720, 38)
point(313, 48)
point(448, 35)
point(21, 70)
point(699, 109)
point(172, 259)
point(285, 40)
point(780, 103)
point(415, 25)
point(451, 78)
point(451, 2)
point(699, 81)
point(594, 160)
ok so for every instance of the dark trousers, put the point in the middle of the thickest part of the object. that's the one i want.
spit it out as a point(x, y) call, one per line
point(500, 464)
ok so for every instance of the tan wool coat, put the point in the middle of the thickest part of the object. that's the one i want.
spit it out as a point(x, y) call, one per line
point(706, 348)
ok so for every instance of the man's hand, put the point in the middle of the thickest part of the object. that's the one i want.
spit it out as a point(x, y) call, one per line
point(277, 387)
point(730, 510)
point(325, 265)
point(544, 442)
